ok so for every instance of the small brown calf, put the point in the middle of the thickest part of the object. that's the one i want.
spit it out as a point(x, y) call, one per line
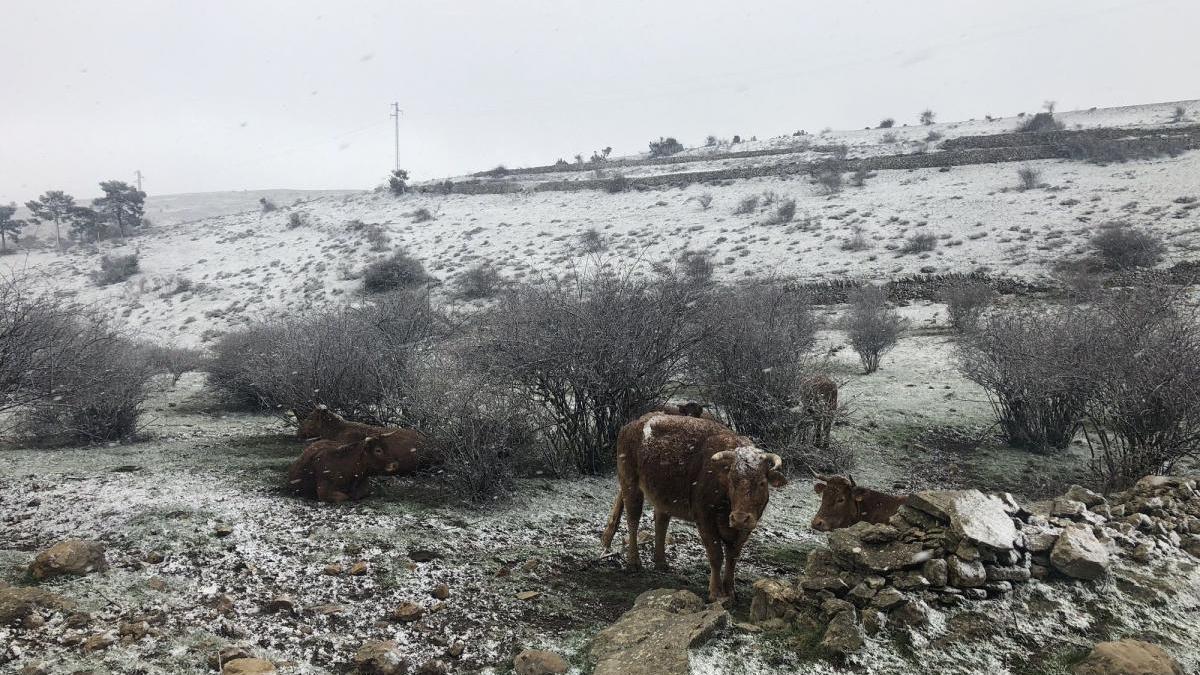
point(332, 471)
point(843, 503)
point(406, 446)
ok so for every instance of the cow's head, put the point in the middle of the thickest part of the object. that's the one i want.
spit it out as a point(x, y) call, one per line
point(318, 422)
point(379, 459)
point(691, 409)
point(841, 502)
point(747, 474)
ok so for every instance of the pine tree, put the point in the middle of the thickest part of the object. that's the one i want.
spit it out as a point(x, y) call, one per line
point(121, 204)
point(9, 226)
point(54, 205)
point(85, 223)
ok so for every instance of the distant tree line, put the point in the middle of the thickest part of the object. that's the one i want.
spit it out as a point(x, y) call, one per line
point(119, 212)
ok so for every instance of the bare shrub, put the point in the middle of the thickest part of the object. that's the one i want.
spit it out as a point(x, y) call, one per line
point(747, 205)
point(784, 212)
point(664, 147)
point(478, 282)
point(873, 327)
point(591, 350)
point(1040, 123)
point(421, 215)
point(705, 200)
point(483, 432)
point(921, 242)
point(592, 241)
point(966, 301)
point(927, 117)
point(297, 219)
point(617, 183)
point(172, 359)
point(398, 271)
point(1033, 365)
point(860, 176)
point(266, 205)
point(377, 237)
point(1029, 178)
point(697, 267)
point(857, 241)
point(828, 173)
point(116, 268)
point(886, 123)
point(66, 374)
point(1143, 415)
point(350, 359)
point(756, 357)
point(1122, 247)
point(838, 457)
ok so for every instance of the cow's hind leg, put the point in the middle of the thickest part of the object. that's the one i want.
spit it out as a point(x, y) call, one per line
point(662, 522)
point(614, 520)
point(633, 515)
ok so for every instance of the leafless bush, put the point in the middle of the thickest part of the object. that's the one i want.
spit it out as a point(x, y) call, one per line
point(398, 271)
point(873, 327)
point(421, 215)
point(116, 268)
point(757, 356)
point(297, 219)
point(172, 359)
point(784, 212)
point(704, 200)
point(747, 205)
point(616, 183)
point(591, 350)
point(478, 281)
point(1034, 366)
point(350, 359)
point(697, 267)
point(920, 242)
point(664, 147)
point(1122, 247)
point(857, 241)
point(592, 241)
point(1029, 178)
point(886, 123)
point(800, 458)
point(1143, 414)
point(484, 433)
point(860, 176)
point(1040, 123)
point(966, 301)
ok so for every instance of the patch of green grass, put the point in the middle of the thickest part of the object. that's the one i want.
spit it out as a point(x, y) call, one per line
point(1058, 659)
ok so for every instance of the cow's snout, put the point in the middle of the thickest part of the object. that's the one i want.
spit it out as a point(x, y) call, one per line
point(741, 520)
point(820, 525)
point(392, 467)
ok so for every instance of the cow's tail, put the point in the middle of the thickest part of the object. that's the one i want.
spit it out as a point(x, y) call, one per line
point(614, 520)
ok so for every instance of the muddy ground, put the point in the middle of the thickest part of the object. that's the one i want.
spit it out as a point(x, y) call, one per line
point(203, 493)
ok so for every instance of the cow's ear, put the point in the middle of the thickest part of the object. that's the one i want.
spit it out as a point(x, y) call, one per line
point(776, 479)
point(818, 488)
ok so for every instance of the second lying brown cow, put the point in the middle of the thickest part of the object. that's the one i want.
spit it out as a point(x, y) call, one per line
point(843, 503)
point(406, 447)
point(332, 471)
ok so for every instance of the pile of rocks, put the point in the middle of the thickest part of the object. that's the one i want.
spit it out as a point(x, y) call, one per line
point(943, 549)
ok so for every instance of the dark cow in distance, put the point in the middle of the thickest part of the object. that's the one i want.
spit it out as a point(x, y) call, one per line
point(406, 446)
point(843, 503)
point(696, 470)
point(818, 404)
point(688, 409)
point(333, 471)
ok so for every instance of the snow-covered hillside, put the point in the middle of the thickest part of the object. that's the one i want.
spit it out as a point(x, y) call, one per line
point(201, 277)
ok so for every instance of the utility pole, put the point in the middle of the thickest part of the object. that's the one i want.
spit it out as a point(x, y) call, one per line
point(396, 115)
point(138, 173)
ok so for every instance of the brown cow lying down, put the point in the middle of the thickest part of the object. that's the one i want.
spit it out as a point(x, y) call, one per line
point(696, 470)
point(332, 471)
point(843, 503)
point(406, 446)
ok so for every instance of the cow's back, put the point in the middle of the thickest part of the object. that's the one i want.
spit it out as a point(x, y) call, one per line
point(406, 446)
point(669, 454)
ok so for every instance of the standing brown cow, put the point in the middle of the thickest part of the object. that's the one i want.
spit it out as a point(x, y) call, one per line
point(696, 470)
point(843, 503)
point(332, 471)
point(406, 446)
point(818, 403)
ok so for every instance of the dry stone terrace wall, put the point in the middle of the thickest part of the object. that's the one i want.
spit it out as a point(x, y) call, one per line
point(1018, 138)
point(947, 549)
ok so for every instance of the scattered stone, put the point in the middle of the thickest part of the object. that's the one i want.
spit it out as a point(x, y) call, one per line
point(773, 599)
point(358, 569)
point(222, 530)
point(421, 555)
point(334, 569)
point(965, 574)
point(936, 571)
point(456, 650)
point(653, 638)
point(434, 667)
point(380, 658)
point(887, 599)
point(156, 584)
point(441, 591)
point(99, 642)
point(528, 595)
point(154, 557)
point(843, 635)
point(408, 611)
point(974, 516)
point(1067, 508)
point(1128, 657)
point(17, 602)
point(1079, 554)
point(70, 557)
point(248, 666)
point(847, 543)
point(537, 662)
point(282, 603)
point(1016, 573)
point(912, 613)
point(230, 653)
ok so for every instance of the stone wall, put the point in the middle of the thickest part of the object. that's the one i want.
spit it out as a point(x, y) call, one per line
point(1018, 138)
point(951, 548)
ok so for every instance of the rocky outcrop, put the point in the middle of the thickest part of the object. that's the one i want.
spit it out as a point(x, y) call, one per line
point(17, 603)
point(248, 667)
point(654, 637)
point(538, 662)
point(70, 557)
point(1128, 657)
point(381, 657)
point(947, 548)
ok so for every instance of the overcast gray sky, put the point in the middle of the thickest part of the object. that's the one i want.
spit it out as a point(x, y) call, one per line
point(222, 95)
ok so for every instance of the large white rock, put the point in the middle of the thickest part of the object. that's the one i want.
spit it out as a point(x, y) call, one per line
point(980, 519)
point(1078, 553)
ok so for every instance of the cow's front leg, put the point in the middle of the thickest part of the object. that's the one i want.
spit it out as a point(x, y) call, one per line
point(662, 522)
point(360, 489)
point(326, 492)
point(732, 553)
point(715, 550)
